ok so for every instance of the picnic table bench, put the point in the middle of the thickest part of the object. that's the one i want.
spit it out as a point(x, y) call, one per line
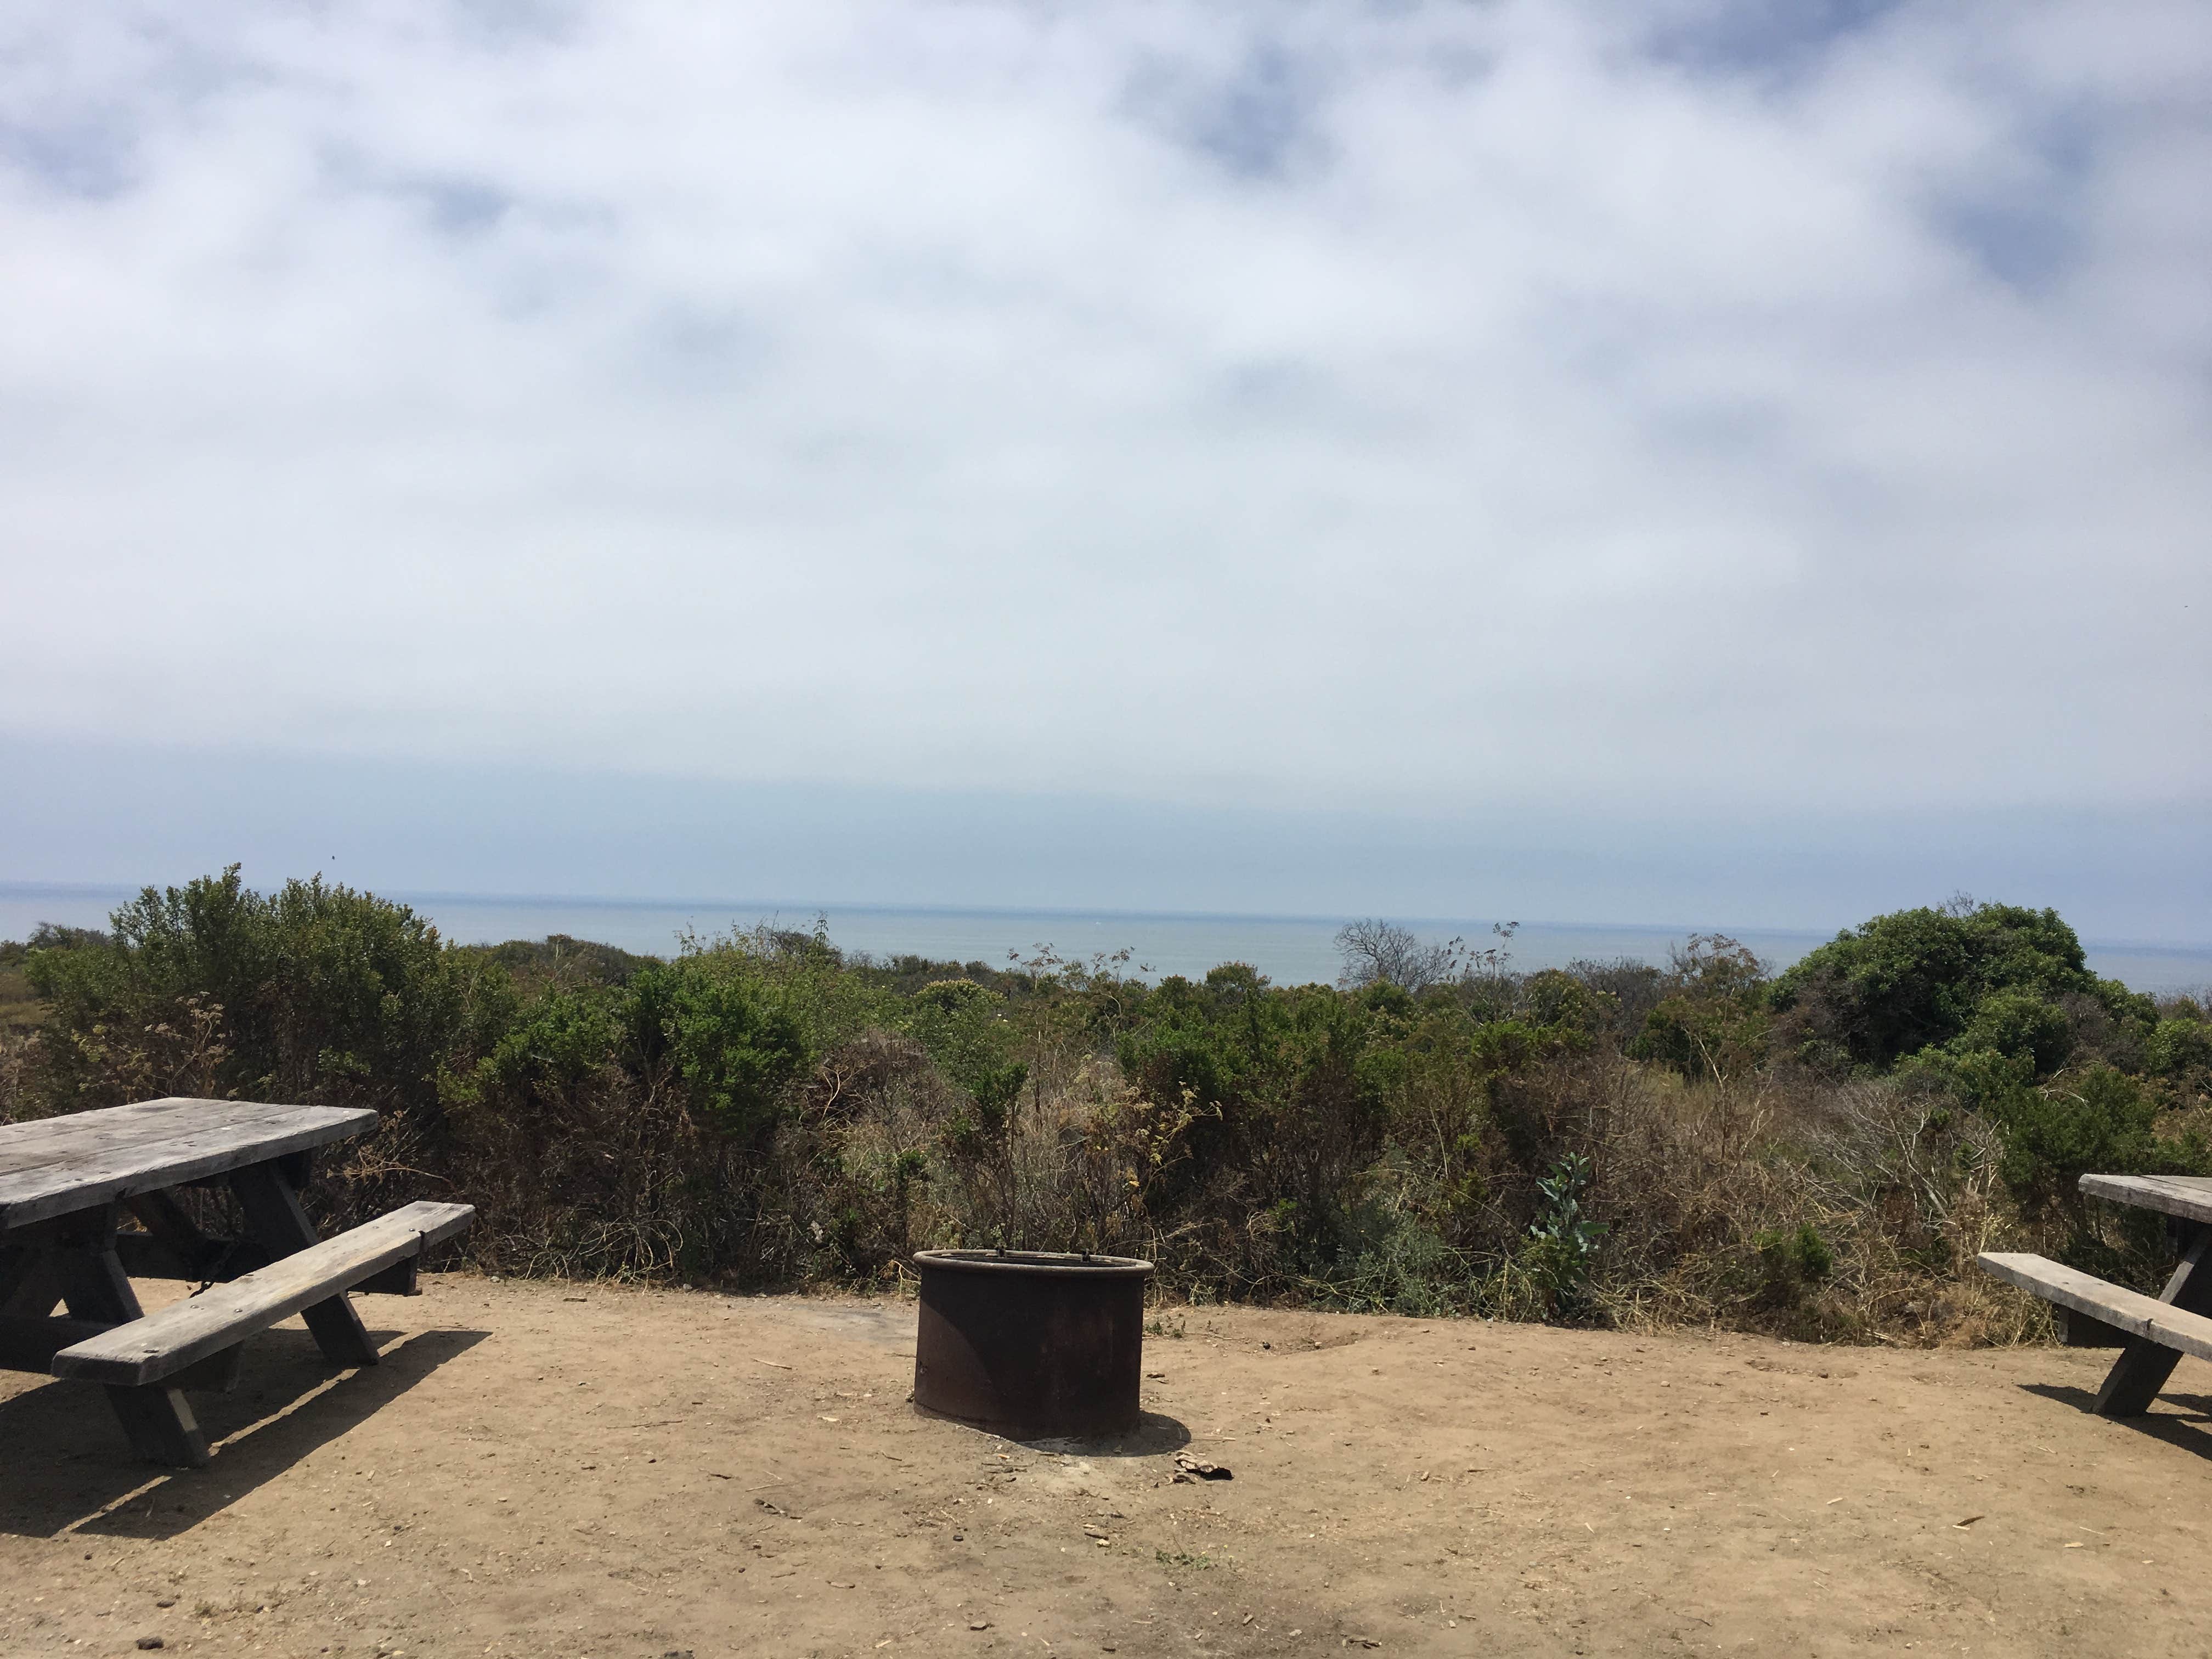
point(2152, 1332)
point(66, 1184)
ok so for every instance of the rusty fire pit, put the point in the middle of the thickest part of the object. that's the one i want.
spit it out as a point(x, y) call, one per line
point(1031, 1346)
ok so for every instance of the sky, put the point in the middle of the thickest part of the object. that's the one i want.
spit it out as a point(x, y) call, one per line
point(1735, 462)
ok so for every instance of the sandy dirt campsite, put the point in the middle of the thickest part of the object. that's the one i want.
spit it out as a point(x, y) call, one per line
point(547, 1469)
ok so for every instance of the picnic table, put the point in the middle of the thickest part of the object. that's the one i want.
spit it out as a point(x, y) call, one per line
point(2152, 1332)
point(67, 1186)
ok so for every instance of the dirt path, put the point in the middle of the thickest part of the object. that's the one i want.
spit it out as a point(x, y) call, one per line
point(538, 1469)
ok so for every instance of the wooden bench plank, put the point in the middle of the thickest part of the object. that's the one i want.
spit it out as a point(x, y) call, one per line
point(225, 1136)
point(30, 1345)
point(2188, 1196)
point(2132, 1311)
point(160, 1344)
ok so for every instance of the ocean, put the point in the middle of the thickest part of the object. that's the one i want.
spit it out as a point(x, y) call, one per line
point(1289, 950)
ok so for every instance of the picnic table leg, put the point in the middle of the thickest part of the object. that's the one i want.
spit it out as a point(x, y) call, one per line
point(280, 1226)
point(2144, 1365)
point(27, 1289)
point(157, 1418)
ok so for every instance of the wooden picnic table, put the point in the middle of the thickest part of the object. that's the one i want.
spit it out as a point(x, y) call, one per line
point(2152, 1332)
point(67, 1184)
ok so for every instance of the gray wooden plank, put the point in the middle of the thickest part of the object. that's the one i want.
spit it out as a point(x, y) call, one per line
point(2182, 1195)
point(33, 1146)
point(2132, 1311)
point(94, 1134)
point(163, 1343)
point(38, 1134)
point(224, 1140)
point(219, 1143)
point(27, 1145)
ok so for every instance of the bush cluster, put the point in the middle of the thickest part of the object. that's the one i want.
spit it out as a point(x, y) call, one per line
point(1820, 1152)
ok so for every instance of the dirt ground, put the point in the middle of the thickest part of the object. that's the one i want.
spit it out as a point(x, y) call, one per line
point(547, 1469)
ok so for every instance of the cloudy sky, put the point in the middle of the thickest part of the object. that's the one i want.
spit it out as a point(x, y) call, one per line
point(1644, 458)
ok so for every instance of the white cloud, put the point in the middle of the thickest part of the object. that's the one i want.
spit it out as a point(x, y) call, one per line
point(1429, 404)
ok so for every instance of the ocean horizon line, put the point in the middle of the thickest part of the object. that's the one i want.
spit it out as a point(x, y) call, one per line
point(772, 909)
point(906, 907)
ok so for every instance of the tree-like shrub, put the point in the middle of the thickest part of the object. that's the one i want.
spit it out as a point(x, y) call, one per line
point(1711, 1019)
point(316, 993)
point(724, 1033)
point(1917, 979)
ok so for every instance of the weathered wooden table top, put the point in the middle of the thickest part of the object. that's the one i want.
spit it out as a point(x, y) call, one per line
point(2187, 1196)
point(59, 1165)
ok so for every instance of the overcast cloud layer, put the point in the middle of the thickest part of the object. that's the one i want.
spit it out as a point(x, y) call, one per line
point(1439, 409)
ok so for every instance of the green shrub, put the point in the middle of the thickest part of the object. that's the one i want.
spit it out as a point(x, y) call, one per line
point(719, 1026)
point(1793, 1260)
point(2181, 1048)
point(1289, 1113)
point(555, 1044)
point(1561, 1254)
point(1916, 979)
point(963, 1027)
point(1711, 1019)
point(2019, 1026)
point(1562, 1002)
point(2099, 1122)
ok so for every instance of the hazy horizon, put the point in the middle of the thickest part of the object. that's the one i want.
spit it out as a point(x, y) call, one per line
point(412, 828)
point(799, 911)
point(1290, 950)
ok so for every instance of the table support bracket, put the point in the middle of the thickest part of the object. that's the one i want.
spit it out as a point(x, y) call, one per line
point(2144, 1365)
point(277, 1223)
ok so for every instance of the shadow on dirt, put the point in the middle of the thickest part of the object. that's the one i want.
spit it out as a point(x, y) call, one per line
point(1153, 1436)
point(69, 1468)
point(2179, 1419)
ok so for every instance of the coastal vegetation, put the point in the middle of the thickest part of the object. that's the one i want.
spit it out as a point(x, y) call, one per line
point(1819, 1152)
